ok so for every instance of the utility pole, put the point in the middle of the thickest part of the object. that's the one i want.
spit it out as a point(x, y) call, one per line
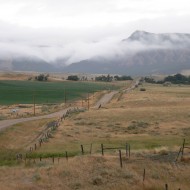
point(34, 102)
point(88, 102)
point(65, 97)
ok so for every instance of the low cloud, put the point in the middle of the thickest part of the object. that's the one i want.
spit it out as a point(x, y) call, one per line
point(76, 45)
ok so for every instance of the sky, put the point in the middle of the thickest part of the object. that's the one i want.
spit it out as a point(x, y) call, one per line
point(84, 28)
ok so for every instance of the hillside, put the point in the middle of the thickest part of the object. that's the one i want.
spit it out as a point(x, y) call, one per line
point(142, 53)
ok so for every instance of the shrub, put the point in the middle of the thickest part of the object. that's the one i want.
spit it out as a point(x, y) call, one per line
point(142, 89)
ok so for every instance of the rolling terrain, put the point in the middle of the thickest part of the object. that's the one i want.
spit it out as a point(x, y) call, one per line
point(154, 122)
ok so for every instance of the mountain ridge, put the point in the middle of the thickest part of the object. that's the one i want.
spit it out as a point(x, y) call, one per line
point(142, 53)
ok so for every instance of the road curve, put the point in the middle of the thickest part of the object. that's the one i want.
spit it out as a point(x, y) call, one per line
point(7, 123)
point(103, 100)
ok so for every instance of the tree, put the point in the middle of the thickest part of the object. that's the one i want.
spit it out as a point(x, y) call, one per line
point(73, 77)
point(121, 78)
point(177, 79)
point(42, 77)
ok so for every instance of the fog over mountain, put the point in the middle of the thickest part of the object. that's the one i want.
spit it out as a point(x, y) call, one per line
point(141, 53)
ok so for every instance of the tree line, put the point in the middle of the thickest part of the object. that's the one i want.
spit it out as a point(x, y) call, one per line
point(104, 78)
point(174, 79)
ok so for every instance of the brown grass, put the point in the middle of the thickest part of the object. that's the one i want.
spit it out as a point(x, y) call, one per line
point(154, 122)
point(95, 172)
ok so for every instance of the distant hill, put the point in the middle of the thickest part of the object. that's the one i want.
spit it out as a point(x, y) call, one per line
point(154, 54)
point(24, 63)
point(142, 53)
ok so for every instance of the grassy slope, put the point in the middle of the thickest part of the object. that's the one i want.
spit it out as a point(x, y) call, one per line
point(154, 122)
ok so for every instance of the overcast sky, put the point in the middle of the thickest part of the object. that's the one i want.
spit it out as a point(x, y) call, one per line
point(76, 23)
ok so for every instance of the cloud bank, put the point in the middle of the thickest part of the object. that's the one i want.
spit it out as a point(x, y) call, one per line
point(77, 30)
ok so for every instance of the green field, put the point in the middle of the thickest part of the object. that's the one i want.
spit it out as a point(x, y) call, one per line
point(22, 92)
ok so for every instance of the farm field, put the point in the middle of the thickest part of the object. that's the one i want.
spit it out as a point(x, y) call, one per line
point(48, 96)
point(154, 122)
point(23, 92)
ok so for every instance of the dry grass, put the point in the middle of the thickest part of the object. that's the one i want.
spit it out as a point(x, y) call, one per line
point(154, 122)
point(95, 172)
point(20, 135)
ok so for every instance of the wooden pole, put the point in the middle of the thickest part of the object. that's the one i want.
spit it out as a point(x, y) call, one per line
point(166, 186)
point(120, 159)
point(88, 102)
point(129, 150)
point(34, 102)
point(126, 148)
point(91, 148)
point(144, 175)
point(102, 147)
point(66, 155)
point(82, 150)
point(65, 96)
point(183, 147)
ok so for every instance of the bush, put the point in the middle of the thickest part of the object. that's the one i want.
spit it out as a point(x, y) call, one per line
point(142, 89)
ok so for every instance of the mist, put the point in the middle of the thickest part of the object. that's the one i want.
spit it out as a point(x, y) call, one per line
point(73, 45)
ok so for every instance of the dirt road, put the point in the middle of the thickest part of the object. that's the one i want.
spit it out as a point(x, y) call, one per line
point(7, 123)
point(103, 100)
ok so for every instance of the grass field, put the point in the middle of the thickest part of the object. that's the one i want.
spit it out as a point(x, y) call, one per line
point(154, 122)
point(22, 92)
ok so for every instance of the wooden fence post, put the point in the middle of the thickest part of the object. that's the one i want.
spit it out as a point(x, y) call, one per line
point(144, 175)
point(53, 159)
point(66, 155)
point(40, 158)
point(126, 148)
point(183, 147)
point(25, 158)
point(82, 150)
point(129, 151)
point(120, 159)
point(102, 147)
point(166, 186)
point(91, 148)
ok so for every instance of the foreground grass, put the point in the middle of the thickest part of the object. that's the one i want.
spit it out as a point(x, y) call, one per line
point(95, 172)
